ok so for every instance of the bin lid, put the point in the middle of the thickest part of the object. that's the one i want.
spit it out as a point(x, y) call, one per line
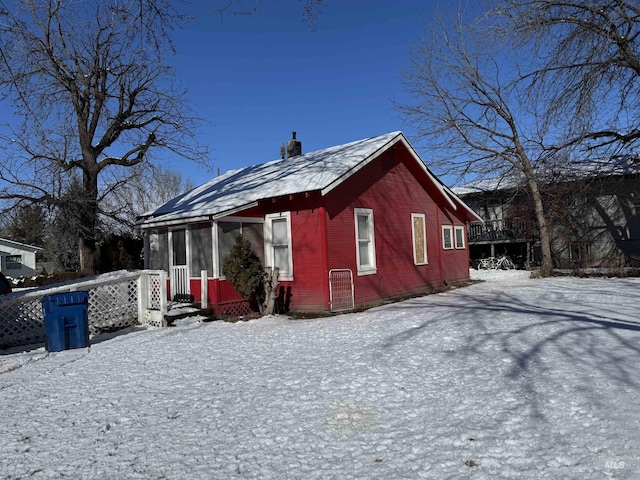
point(66, 298)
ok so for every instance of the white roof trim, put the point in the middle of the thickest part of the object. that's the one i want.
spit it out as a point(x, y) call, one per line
point(360, 165)
point(151, 223)
point(22, 246)
point(477, 217)
point(230, 212)
point(320, 171)
point(433, 179)
point(169, 223)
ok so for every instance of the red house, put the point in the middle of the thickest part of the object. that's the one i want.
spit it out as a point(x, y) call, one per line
point(348, 226)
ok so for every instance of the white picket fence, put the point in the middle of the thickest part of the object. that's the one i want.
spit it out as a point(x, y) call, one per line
point(116, 300)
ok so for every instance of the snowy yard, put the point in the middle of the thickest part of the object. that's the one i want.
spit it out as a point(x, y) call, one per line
point(510, 378)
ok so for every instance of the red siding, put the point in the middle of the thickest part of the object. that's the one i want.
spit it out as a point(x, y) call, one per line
point(309, 288)
point(307, 291)
point(456, 261)
point(390, 189)
point(323, 237)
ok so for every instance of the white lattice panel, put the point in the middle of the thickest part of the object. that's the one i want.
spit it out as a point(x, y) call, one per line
point(155, 292)
point(21, 322)
point(113, 304)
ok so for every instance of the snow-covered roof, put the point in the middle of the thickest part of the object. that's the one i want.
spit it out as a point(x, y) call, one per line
point(550, 174)
point(321, 170)
point(487, 185)
point(19, 246)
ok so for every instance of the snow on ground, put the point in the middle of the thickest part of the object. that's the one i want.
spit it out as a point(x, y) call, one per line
point(509, 378)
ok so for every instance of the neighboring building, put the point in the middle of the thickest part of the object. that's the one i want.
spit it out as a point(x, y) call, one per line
point(349, 225)
point(593, 209)
point(17, 259)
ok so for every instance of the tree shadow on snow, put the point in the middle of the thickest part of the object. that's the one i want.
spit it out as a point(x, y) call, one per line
point(584, 335)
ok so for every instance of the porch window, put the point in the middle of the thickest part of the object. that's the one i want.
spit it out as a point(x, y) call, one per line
point(179, 244)
point(365, 241)
point(158, 253)
point(447, 237)
point(13, 262)
point(228, 231)
point(459, 237)
point(278, 244)
point(227, 234)
point(201, 249)
point(419, 235)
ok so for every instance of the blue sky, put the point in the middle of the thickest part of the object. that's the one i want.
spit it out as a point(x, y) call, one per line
point(257, 78)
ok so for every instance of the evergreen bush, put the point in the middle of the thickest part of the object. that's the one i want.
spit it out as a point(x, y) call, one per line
point(243, 269)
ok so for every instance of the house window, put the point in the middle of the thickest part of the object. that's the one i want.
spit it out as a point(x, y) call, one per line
point(278, 244)
point(13, 262)
point(447, 237)
point(579, 252)
point(365, 241)
point(419, 235)
point(459, 237)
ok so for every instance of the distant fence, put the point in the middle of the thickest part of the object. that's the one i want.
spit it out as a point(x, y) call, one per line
point(116, 300)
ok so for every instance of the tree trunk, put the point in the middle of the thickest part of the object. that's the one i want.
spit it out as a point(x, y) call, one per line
point(88, 219)
point(270, 287)
point(546, 267)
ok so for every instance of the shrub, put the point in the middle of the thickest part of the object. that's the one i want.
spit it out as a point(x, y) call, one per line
point(243, 269)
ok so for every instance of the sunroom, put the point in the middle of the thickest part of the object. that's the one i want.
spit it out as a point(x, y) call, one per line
point(193, 255)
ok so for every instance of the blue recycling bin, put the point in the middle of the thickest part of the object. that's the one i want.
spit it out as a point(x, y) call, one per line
point(66, 320)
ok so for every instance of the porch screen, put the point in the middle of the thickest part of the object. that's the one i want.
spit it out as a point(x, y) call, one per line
point(254, 233)
point(201, 249)
point(159, 250)
point(227, 234)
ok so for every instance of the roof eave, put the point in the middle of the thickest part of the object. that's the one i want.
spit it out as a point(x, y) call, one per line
point(151, 223)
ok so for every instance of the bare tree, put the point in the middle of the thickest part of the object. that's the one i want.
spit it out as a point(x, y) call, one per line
point(467, 107)
point(585, 65)
point(147, 187)
point(310, 8)
point(94, 95)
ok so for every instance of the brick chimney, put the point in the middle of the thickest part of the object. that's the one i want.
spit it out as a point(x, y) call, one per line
point(294, 146)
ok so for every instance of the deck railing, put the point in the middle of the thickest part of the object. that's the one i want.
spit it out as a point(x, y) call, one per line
point(492, 230)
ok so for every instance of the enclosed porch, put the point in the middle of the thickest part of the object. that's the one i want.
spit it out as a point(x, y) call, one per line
point(193, 256)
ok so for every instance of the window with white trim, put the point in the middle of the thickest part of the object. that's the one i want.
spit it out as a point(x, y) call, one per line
point(419, 237)
point(365, 241)
point(447, 237)
point(459, 237)
point(277, 237)
point(13, 262)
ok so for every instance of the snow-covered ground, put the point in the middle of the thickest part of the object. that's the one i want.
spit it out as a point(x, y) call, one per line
point(510, 378)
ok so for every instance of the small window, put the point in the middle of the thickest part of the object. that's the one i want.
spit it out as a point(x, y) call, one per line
point(365, 241)
point(459, 237)
point(278, 244)
point(419, 235)
point(13, 262)
point(447, 237)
